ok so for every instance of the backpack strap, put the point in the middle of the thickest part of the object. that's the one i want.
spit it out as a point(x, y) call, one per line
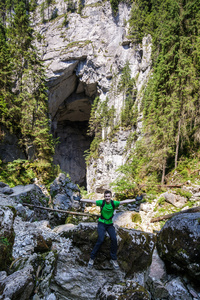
point(102, 205)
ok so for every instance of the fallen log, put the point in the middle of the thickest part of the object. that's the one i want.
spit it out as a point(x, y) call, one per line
point(61, 211)
point(165, 217)
point(164, 185)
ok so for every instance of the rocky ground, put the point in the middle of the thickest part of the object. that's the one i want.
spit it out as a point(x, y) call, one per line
point(42, 258)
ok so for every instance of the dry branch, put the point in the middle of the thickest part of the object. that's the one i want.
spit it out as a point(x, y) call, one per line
point(190, 210)
point(60, 210)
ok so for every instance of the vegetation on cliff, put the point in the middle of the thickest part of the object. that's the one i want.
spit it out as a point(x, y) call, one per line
point(23, 93)
point(171, 102)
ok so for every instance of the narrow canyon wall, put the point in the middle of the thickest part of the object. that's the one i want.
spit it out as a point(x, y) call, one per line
point(85, 54)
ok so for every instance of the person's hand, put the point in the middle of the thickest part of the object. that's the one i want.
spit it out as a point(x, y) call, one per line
point(77, 198)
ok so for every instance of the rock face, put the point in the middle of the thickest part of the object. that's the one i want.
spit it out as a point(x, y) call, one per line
point(178, 244)
point(9, 147)
point(84, 57)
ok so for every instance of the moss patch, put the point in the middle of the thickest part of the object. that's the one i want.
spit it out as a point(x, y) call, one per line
point(136, 218)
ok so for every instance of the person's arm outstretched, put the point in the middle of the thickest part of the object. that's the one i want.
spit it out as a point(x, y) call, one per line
point(88, 201)
point(127, 201)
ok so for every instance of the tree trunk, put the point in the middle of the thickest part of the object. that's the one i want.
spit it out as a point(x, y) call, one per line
point(163, 173)
point(177, 143)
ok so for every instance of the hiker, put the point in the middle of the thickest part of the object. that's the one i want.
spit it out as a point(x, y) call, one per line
point(105, 223)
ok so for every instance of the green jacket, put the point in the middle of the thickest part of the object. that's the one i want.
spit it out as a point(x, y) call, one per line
point(107, 211)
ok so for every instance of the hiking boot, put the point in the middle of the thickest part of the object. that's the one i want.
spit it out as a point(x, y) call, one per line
point(90, 263)
point(115, 264)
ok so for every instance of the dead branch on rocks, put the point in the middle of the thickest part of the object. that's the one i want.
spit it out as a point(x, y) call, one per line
point(165, 217)
point(61, 211)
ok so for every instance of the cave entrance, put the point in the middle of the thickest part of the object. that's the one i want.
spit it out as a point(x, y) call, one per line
point(70, 125)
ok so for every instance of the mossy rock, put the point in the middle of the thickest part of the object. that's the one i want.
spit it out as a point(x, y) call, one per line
point(178, 244)
point(135, 293)
point(122, 291)
point(5, 253)
point(135, 250)
point(136, 218)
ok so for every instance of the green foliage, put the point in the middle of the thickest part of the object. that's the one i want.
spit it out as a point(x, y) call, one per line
point(101, 117)
point(54, 13)
point(161, 200)
point(24, 171)
point(42, 8)
point(141, 21)
point(4, 241)
point(171, 102)
point(127, 87)
point(65, 21)
point(114, 5)
point(23, 93)
point(70, 6)
point(136, 218)
point(187, 169)
point(93, 151)
point(80, 7)
point(184, 193)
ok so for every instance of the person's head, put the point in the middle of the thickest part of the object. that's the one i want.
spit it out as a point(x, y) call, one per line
point(107, 196)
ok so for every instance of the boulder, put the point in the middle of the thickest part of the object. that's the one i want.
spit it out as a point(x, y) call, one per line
point(135, 248)
point(123, 291)
point(175, 200)
point(31, 238)
point(62, 191)
point(30, 194)
point(18, 285)
point(178, 244)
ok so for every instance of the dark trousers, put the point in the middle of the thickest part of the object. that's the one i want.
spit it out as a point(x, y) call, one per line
point(102, 228)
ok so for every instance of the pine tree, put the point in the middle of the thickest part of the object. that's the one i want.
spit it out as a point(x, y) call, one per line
point(171, 103)
point(6, 96)
point(28, 108)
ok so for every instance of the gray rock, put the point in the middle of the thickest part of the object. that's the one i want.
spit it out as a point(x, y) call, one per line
point(62, 202)
point(178, 244)
point(123, 291)
point(62, 191)
point(25, 213)
point(135, 248)
point(18, 285)
point(177, 290)
point(175, 200)
point(51, 297)
point(7, 190)
point(31, 194)
point(31, 237)
point(2, 184)
point(157, 269)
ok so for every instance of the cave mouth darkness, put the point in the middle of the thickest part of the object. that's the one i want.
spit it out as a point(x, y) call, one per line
point(70, 125)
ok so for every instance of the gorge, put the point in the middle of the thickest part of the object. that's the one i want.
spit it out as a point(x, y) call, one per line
point(84, 60)
point(120, 87)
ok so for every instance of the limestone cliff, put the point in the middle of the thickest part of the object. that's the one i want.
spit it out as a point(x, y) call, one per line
point(85, 47)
